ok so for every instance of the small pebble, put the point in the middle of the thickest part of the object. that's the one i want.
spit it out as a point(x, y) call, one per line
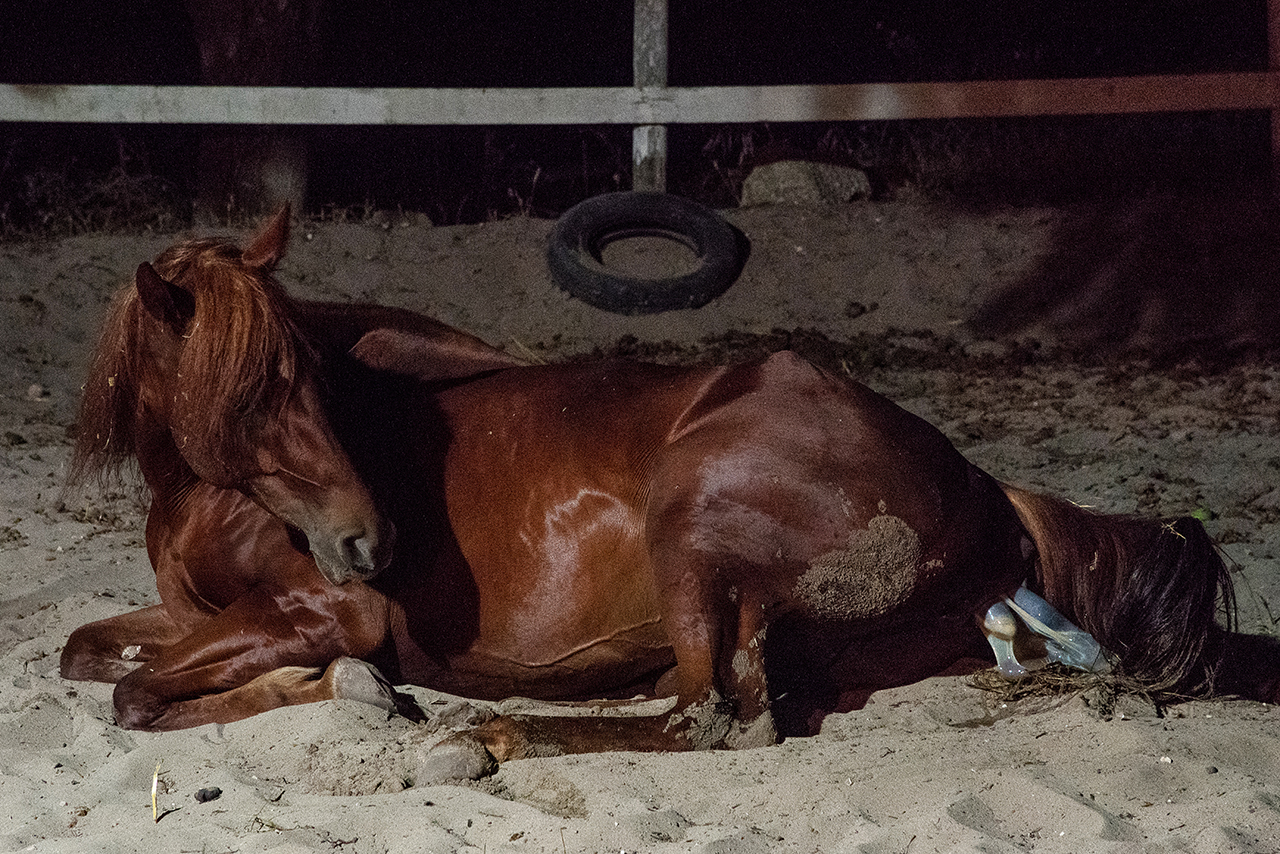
point(210, 794)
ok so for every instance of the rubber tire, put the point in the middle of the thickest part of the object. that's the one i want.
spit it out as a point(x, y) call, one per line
point(582, 232)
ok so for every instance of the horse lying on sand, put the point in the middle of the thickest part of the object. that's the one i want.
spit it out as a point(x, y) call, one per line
point(347, 497)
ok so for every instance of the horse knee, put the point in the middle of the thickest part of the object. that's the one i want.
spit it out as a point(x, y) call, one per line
point(86, 659)
point(136, 707)
point(78, 661)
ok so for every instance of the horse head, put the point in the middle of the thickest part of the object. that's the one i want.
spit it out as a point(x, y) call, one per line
point(203, 349)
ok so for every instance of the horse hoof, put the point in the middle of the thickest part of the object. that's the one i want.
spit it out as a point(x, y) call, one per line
point(353, 679)
point(759, 733)
point(458, 757)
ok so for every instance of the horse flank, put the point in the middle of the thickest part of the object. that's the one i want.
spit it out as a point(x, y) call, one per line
point(240, 354)
point(1149, 590)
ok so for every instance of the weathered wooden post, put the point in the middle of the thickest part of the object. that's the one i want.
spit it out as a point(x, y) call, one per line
point(251, 170)
point(1273, 65)
point(649, 67)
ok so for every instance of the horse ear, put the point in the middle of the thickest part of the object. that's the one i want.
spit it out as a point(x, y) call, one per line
point(162, 299)
point(269, 246)
point(428, 358)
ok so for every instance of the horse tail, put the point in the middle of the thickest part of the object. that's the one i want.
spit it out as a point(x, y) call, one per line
point(1168, 608)
point(1148, 590)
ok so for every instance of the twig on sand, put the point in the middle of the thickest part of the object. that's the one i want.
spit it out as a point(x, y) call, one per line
point(155, 785)
point(526, 352)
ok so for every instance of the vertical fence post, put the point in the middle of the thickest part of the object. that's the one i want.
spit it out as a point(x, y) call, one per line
point(1273, 65)
point(649, 66)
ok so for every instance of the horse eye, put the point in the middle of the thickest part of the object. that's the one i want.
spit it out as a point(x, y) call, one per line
point(267, 462)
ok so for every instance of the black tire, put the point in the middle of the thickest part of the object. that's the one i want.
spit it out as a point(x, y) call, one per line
point(574, 253)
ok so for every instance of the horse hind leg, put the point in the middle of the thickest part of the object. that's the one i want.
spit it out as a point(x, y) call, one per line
point(746, 683)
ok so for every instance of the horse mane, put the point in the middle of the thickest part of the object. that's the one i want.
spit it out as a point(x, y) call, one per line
point(242, 353)
point(1147, 589)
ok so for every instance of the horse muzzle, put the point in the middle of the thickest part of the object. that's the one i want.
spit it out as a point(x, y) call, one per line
point(354, 555)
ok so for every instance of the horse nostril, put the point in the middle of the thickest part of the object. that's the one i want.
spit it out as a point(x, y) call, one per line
point(359, 549)
point(368, 553)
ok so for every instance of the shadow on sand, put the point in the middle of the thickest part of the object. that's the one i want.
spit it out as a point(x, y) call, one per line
point(1173, 277)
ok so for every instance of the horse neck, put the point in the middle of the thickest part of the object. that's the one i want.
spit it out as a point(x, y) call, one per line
point(166, 474)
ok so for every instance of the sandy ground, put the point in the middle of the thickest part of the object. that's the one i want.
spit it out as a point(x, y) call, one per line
point(959, 316)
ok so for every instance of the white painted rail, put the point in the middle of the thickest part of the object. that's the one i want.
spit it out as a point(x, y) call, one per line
point(656, 105)
point(650, 105)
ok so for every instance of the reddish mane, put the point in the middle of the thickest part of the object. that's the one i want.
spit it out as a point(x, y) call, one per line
point(241, 354)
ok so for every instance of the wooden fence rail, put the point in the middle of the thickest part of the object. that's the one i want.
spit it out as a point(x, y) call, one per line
point(651, 105)
point(636, 106)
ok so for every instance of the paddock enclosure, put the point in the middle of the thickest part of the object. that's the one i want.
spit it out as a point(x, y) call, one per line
point(874, 289)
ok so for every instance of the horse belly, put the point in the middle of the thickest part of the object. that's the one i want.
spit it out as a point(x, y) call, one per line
point(566, 605)
point(560, 644)
point(624, 664)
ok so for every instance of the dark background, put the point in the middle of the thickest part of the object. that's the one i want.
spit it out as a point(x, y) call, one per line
point(470, 174)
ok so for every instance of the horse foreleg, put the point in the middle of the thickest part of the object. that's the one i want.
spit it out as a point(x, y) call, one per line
point(108, 650)
point(262, 651)
point(344, 679)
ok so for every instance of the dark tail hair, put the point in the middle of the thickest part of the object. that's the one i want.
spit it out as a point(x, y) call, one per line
point(1147, 589)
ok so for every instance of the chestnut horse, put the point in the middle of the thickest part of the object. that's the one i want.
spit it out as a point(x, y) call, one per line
point(764, 541)
point(211, 379)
